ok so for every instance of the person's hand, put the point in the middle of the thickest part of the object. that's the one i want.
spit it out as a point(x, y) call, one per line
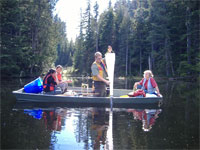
point(69, 81)
point(135, 86)
point(159, 95)
point(107, 82)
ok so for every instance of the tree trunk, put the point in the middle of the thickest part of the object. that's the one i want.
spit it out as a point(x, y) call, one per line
point(171, 63)
point(166, 57)
point(130, 64)
point(152, 58)
point(149, 62)
point(140, 57)
point(188, 25)
point(127, 56)
point(97, 38)
point(140, 61)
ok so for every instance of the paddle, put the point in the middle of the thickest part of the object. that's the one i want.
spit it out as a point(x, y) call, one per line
point(110, 62)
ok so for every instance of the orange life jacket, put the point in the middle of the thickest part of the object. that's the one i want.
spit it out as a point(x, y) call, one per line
point(101, 69)
point(59, 76)
point(45, 84)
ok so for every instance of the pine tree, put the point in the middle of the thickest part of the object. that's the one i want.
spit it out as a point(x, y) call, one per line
point(106, 27)
point(96, 7)
point(27, 36)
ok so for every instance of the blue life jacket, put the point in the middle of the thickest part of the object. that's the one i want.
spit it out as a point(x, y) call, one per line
point(150, 88)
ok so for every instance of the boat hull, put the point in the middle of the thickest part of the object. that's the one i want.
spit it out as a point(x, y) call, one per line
point(88, 100)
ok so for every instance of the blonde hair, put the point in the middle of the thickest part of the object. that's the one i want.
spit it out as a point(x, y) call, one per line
point(97, 54)
point(149, 72)
point(59, 66)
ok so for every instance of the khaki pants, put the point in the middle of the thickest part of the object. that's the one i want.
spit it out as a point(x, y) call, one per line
point(63, 86)
point(100, 89)
point(56, 91)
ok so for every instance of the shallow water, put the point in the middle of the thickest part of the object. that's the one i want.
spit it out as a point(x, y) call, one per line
point(174, 125)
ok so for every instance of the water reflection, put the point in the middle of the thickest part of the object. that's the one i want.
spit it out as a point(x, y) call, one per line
point(51, 118)
point(90, 128)
point(99, 127)
point(147, 116)
point(69, 126)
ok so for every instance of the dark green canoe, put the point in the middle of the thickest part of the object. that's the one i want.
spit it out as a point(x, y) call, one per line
point(87, 100)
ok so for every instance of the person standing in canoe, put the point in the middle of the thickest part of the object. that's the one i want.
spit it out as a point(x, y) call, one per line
point(62, 84)
point(110, 50)
point(148, 83)
point(99, 74)
point(49, 83)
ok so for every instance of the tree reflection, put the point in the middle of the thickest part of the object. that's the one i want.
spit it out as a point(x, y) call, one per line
point(91, 128)
point(24, 132)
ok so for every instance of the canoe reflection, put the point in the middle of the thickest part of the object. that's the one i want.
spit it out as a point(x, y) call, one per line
point(147, 116)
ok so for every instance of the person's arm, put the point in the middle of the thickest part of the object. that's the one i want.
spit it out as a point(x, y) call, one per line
point(155, 85)
point(137, 83)
point(102, 79)
point(56, 79)
point(66, 81)
point(158, 91)
point(51, 80)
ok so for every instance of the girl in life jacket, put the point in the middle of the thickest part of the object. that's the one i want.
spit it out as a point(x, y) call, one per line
point(50, 81)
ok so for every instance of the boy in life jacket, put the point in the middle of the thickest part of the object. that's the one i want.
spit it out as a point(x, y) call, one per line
point(99, 74)
point(148, 84)
point(49, 83)
point(61, 84)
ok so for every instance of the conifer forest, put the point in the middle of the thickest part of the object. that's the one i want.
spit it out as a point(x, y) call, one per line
point(160, 35)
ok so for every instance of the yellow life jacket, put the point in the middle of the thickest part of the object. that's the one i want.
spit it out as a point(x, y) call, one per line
point(101, 69)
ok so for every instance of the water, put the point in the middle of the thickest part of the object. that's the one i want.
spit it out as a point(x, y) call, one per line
point(175, 125)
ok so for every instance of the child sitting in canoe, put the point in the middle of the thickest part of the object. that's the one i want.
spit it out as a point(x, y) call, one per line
point(49, 83)
point(61, 84)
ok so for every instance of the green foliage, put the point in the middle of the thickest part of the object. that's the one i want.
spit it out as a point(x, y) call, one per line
point(64, 48)
point(27, 36)
point(106, 27)
point(79, 47)
point(149, 34)
point(159, 35)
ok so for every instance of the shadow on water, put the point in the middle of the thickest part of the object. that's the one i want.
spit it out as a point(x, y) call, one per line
point(42, 126)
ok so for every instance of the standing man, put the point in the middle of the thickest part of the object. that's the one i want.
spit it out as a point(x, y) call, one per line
point(99, 74)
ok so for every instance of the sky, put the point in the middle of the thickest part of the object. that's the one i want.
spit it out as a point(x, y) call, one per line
point(69, 12)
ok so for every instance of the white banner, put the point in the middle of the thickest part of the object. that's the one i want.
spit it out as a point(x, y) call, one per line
point(110, 62)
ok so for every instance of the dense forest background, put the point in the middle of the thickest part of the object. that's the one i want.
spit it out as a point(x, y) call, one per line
point(160, 35)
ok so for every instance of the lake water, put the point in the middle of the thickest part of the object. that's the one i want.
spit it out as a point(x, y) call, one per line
point(174, 125)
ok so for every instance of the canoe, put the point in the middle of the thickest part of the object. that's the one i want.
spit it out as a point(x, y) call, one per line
point(80, 99)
